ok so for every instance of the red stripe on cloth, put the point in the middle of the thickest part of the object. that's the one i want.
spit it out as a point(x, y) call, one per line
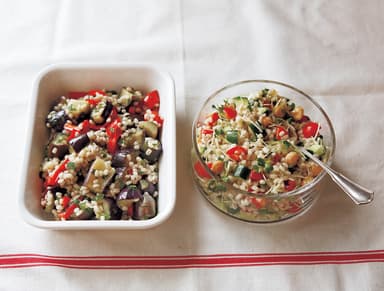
point(192, 261)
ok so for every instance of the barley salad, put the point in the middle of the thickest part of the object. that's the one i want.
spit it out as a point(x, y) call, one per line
point(102, 158)
point(249, 143)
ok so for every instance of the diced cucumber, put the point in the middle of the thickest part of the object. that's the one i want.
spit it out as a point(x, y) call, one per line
point(256, 128)
point(317, 149)
point(261, 110)
point(232, 136)
point(240, 101)
point(241, 172)
point(150, 128)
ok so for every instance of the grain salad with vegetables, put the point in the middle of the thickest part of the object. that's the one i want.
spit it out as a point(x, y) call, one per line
point(102, 158)
point(249, 143)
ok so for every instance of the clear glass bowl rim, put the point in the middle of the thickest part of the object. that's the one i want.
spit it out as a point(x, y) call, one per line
point(298, 191)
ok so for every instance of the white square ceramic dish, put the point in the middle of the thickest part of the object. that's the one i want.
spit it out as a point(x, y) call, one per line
point(55, 81)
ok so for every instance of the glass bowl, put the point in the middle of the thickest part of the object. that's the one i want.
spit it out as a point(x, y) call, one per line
point(244, 205)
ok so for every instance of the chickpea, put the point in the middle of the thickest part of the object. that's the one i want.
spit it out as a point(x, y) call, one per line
point(280, 109)
point(266, 121)
point(297, 113)
point(217, 167)
point(291, 159)
point(315, 170)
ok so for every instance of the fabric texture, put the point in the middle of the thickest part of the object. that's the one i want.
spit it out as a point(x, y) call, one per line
point(330, 50)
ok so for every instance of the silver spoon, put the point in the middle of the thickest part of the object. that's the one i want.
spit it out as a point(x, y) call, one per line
point(357, 193)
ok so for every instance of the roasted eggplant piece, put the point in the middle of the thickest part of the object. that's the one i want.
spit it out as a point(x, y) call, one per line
point(111, 210)
point(148, 187)
point(99, 175)
point(56, 120)
point(128, 141)
point(128, 196)
point(120, 159)
point(101, 112)
point(77, 108)
point(151, 149)
point(144, 208)
point(79, 142)
point(150, 128)
point(125, 97)
point(58, 146)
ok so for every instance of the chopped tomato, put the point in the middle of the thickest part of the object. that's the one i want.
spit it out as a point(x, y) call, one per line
point(289, 185)
point(152, 100)
point(201, 171)
point(256, 176)
point(212, 120)
point(207, 131)
point(304, 119)
point(237, 153)
point(294, 207)
point(229, 112)
point(276, 158)
point(281, 133)
point(258, 202)
point(310, 129)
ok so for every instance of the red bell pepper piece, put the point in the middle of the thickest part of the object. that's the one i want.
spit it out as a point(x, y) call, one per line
point(201, 171)
point(281, 133)
point(229, 112)
point(68, 212)
point(65, 201)
point(237, 153)
point(113, 131)
point(152, 100)
point(54, 177)
point(213, 119)
point(93, 92)
point(80, 94)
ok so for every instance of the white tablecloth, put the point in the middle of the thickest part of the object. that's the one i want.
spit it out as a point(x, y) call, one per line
point(331, 50)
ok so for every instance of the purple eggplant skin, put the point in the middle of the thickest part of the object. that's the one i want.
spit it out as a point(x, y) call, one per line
point(79, 142)
point(144, 208)
point(107, 110)
point(151, 150)
point(120, 160)
point(127, 196)
point(56, 120)
point(148, 187)
point(111, 208)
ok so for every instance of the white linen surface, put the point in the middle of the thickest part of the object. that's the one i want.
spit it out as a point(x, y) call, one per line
point(331, 50)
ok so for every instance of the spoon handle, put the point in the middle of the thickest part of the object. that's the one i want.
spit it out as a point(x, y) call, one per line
point(356, 192)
